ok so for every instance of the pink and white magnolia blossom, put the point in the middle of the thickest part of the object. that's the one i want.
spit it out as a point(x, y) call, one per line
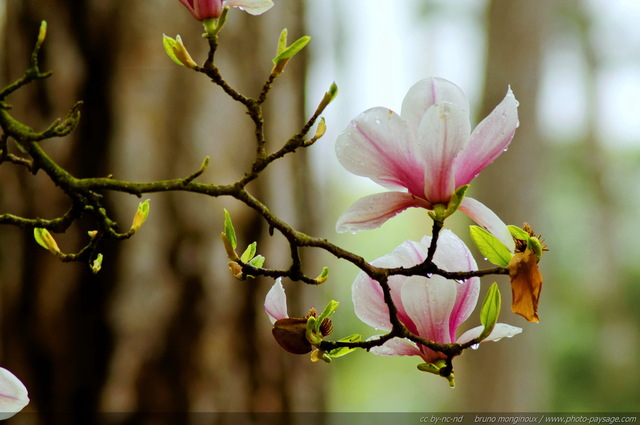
point(431, 307)
point(212, 9)
point(424, 154)
point(13, 394)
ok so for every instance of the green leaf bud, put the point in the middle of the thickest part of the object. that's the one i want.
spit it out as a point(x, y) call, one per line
point(46, 240)
point(490, 311)
point(249, 253)
point(96, 265)
point(141, 216)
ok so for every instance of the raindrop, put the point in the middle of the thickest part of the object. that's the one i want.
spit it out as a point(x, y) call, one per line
point(459, 280)
point(486, 259)
point(475, 346)
point(505, 149)
point(429, 275)
point(378, 121)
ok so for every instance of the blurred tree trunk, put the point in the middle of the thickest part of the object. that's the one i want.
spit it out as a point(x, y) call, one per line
point(163, 327)
point(510, 373)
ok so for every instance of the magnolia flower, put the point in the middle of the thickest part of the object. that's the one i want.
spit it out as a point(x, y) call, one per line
point(430, 307)
point(424, 154)
point(13, 394)
point(212, 9)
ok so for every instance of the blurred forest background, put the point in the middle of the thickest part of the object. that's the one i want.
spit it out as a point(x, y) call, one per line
point(165, 328)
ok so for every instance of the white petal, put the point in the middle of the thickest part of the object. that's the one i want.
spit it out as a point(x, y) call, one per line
point(426, 93)
point(13, 394)
point(275, 303)
point(500, 330)
point(396, 347)
point(254, 7)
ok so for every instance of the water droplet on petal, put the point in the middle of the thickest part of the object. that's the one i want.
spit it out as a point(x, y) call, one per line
point(475, 346)
point(505, 149)
point(429, 275)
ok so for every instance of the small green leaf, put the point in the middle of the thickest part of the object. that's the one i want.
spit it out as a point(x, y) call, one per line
point(282, 42)
point(42, 33)
point(328, 311)
point(429, 367)
point(489, 246)
point(141, 215)
point(456, 199)
point(534, 244)
point(518, 233)
point(249, 253)
point(39, 234)
point(323, 276)
point(490, 310)
point(333, 91)
point(292, 50)
point(312, 330)
point(169, 44)
point(341, 351)
point(257, 261)
point(97, 264)
point(45, 240)
point(327, 99)
point(229, 231)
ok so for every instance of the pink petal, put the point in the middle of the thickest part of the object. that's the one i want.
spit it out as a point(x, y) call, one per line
point(453, 255)
point(397, 347)
point(377, 144)
point(407, 254)
point(442, 134)
point(275, 303)
point(428, 302)
point(13, 394)
point(489, 139)
point(426, 93)
point(368, 302)
point(253, 7)
point(500, 330)
point(373, 210)
point(486, 218)
point(368, 299)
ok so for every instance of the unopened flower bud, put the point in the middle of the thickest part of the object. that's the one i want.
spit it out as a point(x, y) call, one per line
point(293, 333)
point(290, 333)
